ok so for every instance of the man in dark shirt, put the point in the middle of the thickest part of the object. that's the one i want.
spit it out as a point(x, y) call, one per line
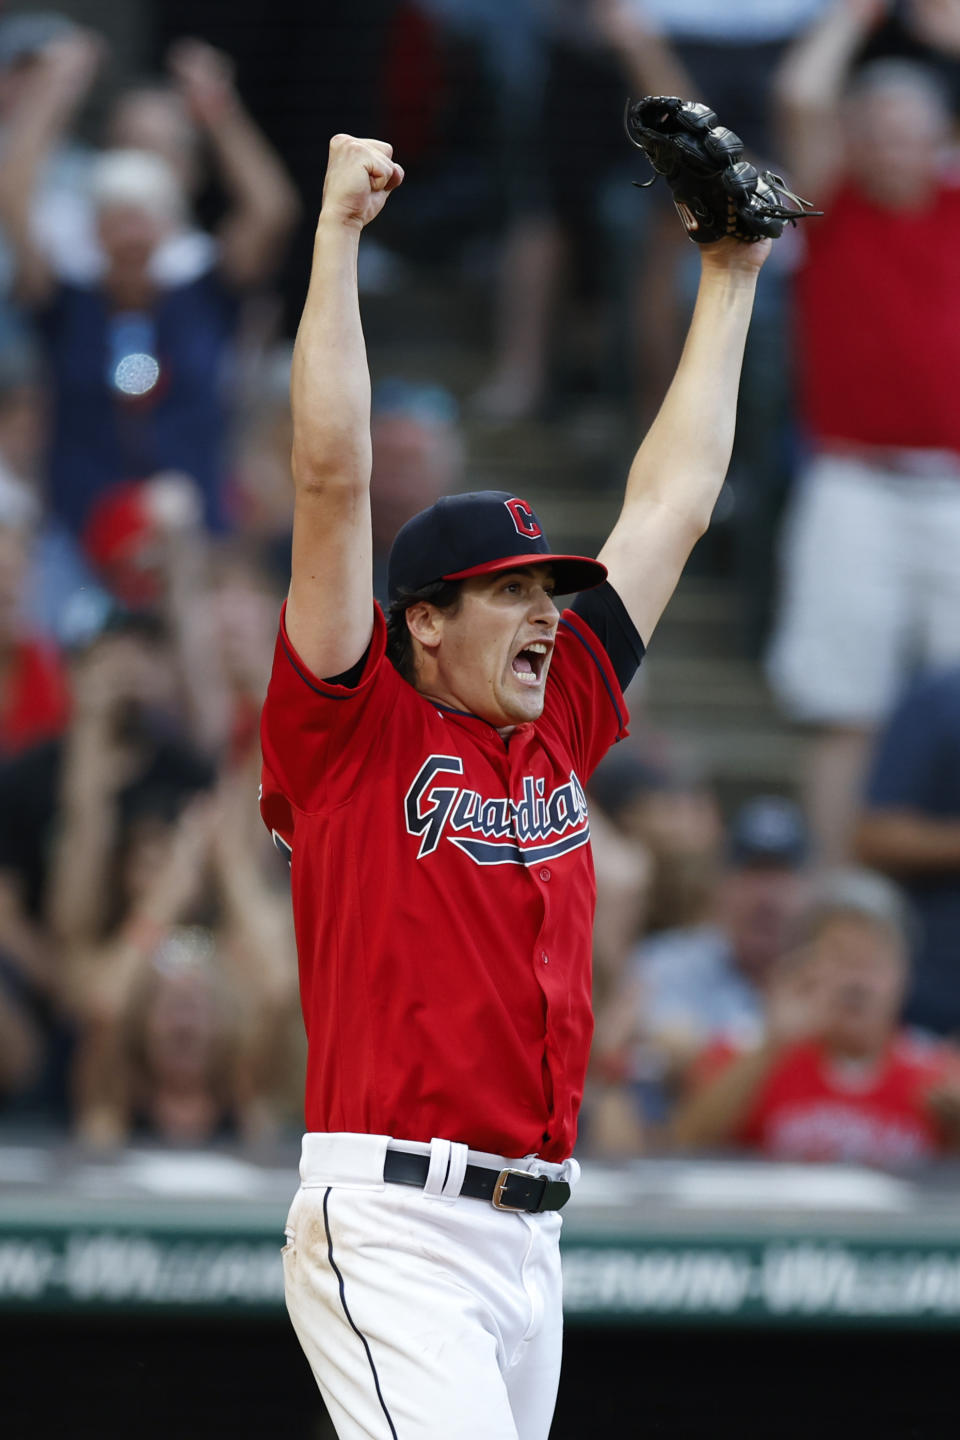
point(910, 827)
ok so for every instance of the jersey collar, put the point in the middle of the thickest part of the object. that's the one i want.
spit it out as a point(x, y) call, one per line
point(476, 723)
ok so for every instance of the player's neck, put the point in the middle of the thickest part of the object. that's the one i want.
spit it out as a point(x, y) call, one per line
point(451, 702)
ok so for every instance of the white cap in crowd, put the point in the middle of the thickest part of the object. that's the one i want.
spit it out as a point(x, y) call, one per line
point(138, 178)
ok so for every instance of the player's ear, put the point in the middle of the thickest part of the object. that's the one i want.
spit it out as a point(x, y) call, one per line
point(425, 623)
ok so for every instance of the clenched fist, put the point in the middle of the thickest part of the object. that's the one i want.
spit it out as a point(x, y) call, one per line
point(360, 176)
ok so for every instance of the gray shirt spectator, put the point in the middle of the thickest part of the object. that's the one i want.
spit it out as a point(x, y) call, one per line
point(690, 986)
point(706, 980)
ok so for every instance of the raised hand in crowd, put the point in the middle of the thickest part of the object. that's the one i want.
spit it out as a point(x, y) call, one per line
point(795, 999)
point(809, 86)
point(68, 67)
point(936, 23)
point(105, 747)
point(264, 205)
point(943, 1100)
point(198, 923)
point(652, 64)
point(174, 506)
point(56, 87)
point(21, 1046)
point(711, 1113)
point(160, 880)
point(205, 79)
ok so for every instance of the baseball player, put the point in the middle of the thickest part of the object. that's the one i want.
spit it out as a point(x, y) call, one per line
point(424, 770)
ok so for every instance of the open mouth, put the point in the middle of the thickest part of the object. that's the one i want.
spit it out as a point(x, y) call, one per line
point(529, 662)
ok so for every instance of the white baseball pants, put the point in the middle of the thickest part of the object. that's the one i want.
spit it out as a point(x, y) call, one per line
point(870, 587)
point(424, 1315)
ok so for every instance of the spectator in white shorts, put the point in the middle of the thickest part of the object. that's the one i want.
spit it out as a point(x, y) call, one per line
point(871, 561)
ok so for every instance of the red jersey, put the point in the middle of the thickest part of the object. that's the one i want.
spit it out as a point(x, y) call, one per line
point(811, 1108)
point(443, 897)
point(878, 315)
point(34, 701)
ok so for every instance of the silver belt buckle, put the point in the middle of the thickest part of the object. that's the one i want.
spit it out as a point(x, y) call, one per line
point(502, 1179)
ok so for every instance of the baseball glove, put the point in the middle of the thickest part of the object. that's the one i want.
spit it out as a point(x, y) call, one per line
point(716, 192)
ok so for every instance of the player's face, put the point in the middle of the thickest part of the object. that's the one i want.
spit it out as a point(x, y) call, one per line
point(495, 649)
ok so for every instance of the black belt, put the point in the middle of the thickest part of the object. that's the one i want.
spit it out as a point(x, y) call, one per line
point(505, 1189)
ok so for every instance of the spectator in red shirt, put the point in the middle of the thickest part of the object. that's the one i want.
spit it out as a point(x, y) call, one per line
point(836, 1077)
point(33, 689)
point(870, 585)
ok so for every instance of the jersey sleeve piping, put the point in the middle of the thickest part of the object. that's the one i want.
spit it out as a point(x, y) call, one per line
point(375, 654)
point(571, 621)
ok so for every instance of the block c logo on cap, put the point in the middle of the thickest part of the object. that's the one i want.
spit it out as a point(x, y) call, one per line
point(523, 519)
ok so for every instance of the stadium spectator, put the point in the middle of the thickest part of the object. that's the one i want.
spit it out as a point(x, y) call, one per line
point(909, 827)
point(418, 455)
point(164, 309)
point(61, 803)
point(154, 116)
point(675, 820)
point(688, 987)
point(33, 682)
point(58, 578)
point(22, 1048)
point(259, 486)
point(725, 56)
point(591, 56)
point(870, 583)
point(61, 187)
point(609, 1122)
point(149, 547)
point(185, 1004)
point(21, 429)
point(243, 607)
point(562, 156)
point(924, 30)
point(835, 1076)
point(33, 706)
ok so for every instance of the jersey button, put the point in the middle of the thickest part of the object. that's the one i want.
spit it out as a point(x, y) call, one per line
point(544, 873)
point(544, 957)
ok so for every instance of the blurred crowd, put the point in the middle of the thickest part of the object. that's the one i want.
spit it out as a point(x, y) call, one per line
point(777, 976)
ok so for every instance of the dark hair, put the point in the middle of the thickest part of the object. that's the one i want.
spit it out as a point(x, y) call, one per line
point(444, 594)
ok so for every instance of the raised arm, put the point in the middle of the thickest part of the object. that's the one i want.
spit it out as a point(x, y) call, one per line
point(647, 56)
point(808, 88)
point(264, 205)
point(676, 476)
point(330, 604)
point(95, 767)
point(711, 1117)
point(62, 78)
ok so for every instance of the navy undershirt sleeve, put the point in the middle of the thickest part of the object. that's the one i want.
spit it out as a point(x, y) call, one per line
point(605, 613)
point(350, 678)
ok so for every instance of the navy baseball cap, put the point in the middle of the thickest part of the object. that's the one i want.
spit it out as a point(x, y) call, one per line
point(768, 830)
point(479, 534)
